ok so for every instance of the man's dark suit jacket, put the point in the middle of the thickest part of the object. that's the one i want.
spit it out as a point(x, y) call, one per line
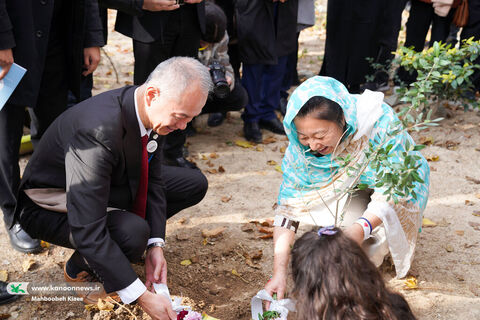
point(94, 152)
point(142, 25)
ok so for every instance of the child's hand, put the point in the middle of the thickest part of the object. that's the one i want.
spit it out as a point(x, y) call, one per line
point(277, 284)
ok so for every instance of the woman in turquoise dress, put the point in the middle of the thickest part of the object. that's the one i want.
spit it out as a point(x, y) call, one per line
point(325, 123)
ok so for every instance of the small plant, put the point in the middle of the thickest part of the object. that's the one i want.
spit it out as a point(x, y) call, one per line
point(269, 315)
point(443, 74)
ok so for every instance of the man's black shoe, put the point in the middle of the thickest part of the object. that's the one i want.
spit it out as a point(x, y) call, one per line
point(21, 241)
point(252, 132)
point(180, 162)
point(6, 297)
point(273, 125)
point(215, 119)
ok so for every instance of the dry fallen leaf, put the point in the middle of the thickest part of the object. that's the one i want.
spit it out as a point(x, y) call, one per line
point(449, 248)
point(283, 149)
point(259, 148)
point(226, 199)
point(267, 230)
point(3, 275)
point(271, 162)
point(278, 168)
point(476, 213)
point(469, 203)
point(44, 244)
point(91, 307)
point(104, 305)
point(213, 233)
point(451, 145)
point(28, 264)
point(460, 232)
point(476, 181)
point(243, 144)
point(474, 225)
point(433, 158)
point(182, 220)
point(235, 273)
point(428, 223)
point(426, 140)
point(209, 163)
point(204, 157)
point(411, 283)
point(269, 140)
point(213, 155)
point(212, 171)
point(477, 195)
point(5, 316)
point(248, 227)
point(221, 169)
point(186, 262)
point(267, 223)
point(266, 236)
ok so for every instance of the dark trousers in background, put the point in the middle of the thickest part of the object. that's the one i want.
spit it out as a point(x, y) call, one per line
point(51, 102)
point(234, 101)
point(472, 29)
point(422, 15)
point(181, 37)
point(183, 188)
point(263, 84)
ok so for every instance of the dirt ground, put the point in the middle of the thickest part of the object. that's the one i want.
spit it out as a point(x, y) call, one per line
point(227, 270)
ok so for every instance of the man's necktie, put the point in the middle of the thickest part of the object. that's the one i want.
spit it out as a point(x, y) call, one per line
point(140, 204)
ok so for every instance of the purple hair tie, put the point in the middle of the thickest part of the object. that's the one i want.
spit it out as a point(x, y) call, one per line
point(328, 231)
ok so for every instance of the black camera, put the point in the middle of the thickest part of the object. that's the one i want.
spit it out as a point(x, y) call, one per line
point(221, 89)
point(179, 2)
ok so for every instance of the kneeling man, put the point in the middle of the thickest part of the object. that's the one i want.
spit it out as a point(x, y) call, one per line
point(96, 182)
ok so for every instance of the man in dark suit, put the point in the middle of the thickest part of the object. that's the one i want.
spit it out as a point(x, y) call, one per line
point(56, 41)
point(91, 186)
point(161, 29)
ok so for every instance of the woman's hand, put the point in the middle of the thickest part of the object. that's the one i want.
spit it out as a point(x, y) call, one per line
point(355, 232)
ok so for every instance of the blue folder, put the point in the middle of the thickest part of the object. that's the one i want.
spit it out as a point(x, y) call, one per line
point(10, 82)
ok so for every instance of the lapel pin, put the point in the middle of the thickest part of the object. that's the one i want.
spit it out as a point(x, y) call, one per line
point(152, 146)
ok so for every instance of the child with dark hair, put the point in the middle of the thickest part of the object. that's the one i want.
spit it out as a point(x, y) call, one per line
point(334, 279)
point(214, 54)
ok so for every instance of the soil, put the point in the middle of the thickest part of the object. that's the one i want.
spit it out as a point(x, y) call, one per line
point(228, 268)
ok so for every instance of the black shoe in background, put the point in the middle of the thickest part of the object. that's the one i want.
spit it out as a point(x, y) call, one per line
point(6, 297)
point(215, 119)
point(21, 241)
point(252, 132)
point(273, 125)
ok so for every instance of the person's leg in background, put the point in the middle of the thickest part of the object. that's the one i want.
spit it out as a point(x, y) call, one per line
point(252, 82)
point(418, 24)
point(218, 107)
point(12, 118)
point(472, 29)
point(186, 43)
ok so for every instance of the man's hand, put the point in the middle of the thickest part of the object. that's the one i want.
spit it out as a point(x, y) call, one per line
point(160, 5)
point(157, 306)
point(155, 267)
point(193, 1)
point(91, 58)
point(6, 60)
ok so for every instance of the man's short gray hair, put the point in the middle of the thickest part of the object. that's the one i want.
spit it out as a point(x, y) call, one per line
point(174, 75)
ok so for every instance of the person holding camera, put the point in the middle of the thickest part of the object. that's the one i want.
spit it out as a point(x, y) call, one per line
point(228, 93)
